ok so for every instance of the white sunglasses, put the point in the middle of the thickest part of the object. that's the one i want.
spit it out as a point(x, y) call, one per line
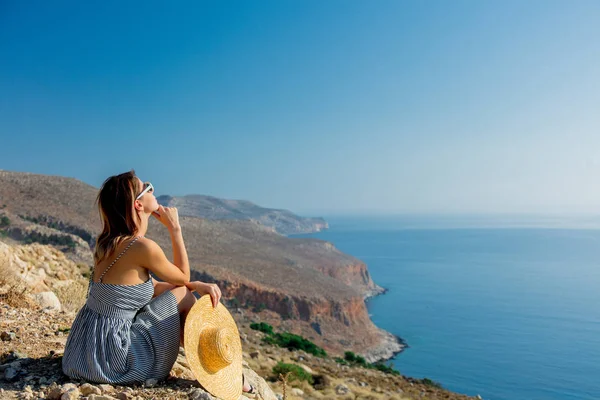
point(147, 188)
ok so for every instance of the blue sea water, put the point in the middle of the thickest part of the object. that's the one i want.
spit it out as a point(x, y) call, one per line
point(506, 313)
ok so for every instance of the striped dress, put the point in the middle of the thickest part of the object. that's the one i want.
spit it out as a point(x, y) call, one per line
point(122, 335)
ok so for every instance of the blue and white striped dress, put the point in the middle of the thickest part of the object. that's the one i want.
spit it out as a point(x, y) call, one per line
point(122, 335)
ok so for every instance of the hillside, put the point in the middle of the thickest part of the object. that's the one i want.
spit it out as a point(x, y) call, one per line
point(209, 207)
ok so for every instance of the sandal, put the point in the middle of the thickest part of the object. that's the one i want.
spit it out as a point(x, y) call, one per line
point(250, 393)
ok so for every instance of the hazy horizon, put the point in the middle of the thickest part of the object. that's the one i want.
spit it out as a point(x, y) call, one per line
point(395, 107)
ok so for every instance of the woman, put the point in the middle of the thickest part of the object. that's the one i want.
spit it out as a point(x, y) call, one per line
point(131, 326)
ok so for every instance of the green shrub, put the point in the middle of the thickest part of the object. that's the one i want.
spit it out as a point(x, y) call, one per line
point(296, 372)
point(61, 226)
point(57, 240)
point(355, 358)
point(388, 369)
point(349, 356)
point(234, 302)
point(429, 382)
point(340, 361)
point(259, 307)
point(294, 342)
point(4, 221)
point(263, 327)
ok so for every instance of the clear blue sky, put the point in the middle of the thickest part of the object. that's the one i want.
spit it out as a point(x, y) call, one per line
point(314, 106)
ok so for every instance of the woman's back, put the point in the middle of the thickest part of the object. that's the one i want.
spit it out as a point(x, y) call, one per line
point(123, 266)
point(122, 335)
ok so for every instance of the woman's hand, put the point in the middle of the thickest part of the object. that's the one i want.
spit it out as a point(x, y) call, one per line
point(168, 216)
point(206, 288)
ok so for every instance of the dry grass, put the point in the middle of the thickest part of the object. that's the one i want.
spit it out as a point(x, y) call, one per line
point(72, 297)
point(13, 290)
point(284, 380)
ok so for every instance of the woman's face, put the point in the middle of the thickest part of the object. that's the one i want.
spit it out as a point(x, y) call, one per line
point(147, 199)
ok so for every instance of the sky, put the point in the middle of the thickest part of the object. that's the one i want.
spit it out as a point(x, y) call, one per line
point(319, 107)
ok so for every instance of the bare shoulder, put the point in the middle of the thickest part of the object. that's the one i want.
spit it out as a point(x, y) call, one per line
point(145, 244)
point(147, 247)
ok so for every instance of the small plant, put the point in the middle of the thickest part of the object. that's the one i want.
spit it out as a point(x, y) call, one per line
point(4, 221)
point(388, 369)
point(294, 342)
point(57, 240)
point(355, 359)
point(72, 297)
point(429, 382)
point(262, 327)
point(85, 270)
point(292, 372)
point(259, 307)
point(341, 361)
point(284, 382)
point(14, 291)
point(234, 302)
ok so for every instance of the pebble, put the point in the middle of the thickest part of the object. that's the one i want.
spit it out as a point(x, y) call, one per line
point(106, 388)
point(100, 397)
point(124, 396)
point(342, 389)
point(150, 382)
point(199, 394)
point(87, 389)
point(55, 392)
point(69, 386)
point(70, 394)
point(7, 336)
point(10, 374)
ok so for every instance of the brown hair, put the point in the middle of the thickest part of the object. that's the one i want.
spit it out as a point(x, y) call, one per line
point(115, 205)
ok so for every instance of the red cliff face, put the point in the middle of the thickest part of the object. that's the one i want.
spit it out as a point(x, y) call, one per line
point(335, 325)
point(353, 274)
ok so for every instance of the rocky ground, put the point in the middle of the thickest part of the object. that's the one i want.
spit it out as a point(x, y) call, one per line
point(34, 328)
point(32, 343)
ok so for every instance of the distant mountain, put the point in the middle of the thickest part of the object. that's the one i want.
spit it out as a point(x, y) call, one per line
point(281, 221)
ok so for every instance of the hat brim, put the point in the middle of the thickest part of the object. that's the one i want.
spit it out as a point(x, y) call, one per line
point(227, 382)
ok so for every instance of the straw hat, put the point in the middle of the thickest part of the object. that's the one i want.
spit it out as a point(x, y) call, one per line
point(213, 349)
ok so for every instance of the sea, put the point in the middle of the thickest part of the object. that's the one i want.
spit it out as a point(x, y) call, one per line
point(507, 308)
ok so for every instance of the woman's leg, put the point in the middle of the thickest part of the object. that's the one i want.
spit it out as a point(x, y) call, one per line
point(185, 301)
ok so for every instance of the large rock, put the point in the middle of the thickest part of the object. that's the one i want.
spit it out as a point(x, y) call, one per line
point(263, 390)
point(48, 300)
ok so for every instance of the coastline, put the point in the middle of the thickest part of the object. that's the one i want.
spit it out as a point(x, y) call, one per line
point(390, 344)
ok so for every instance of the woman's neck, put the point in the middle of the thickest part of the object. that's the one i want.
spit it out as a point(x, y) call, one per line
point(143, 227)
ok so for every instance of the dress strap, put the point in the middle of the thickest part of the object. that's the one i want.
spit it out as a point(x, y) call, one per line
point(119, 256)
